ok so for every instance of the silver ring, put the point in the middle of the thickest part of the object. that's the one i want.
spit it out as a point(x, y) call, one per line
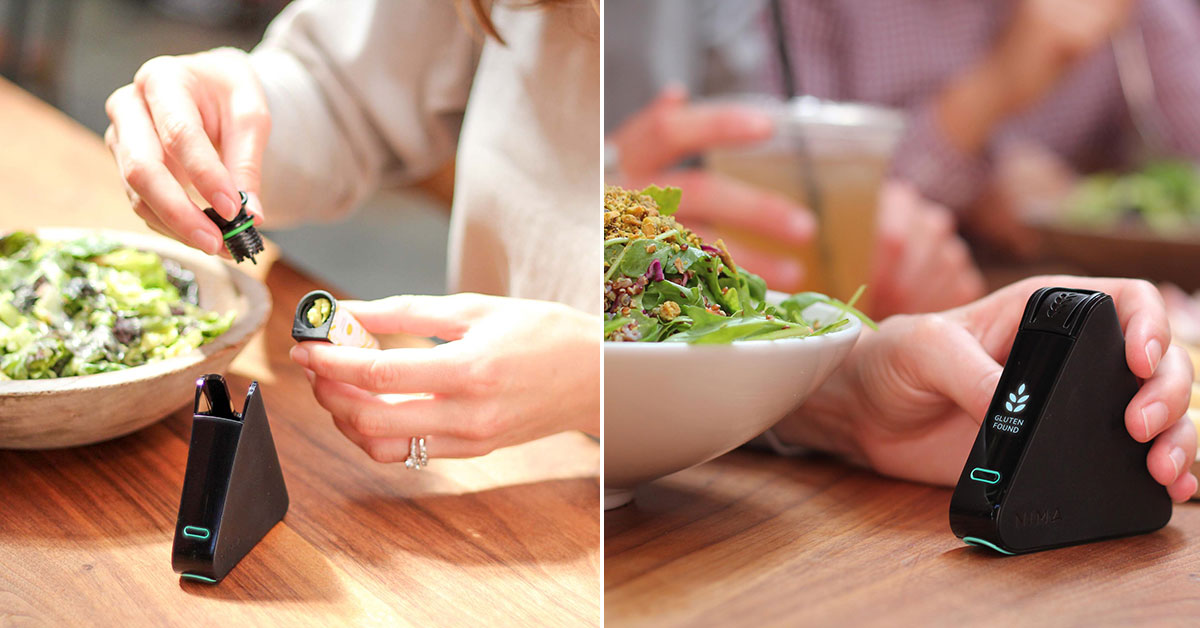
point(418, 457)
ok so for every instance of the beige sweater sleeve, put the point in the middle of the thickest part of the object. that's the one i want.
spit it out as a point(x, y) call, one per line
point(362, 93)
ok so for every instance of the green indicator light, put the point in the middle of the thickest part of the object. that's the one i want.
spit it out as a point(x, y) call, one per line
point(240, 228)
point(195, 532)
point(971, 540)
point(987, 476)
point(198, 578)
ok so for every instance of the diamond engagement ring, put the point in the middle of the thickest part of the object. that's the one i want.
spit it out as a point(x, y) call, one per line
point(417, 458)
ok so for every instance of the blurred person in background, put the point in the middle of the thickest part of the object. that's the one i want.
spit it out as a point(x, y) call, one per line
point(658, 55)
point(343, 97)
point(897, 405)
point(983, 79)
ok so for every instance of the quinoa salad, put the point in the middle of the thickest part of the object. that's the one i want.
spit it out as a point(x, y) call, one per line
point(662, 283)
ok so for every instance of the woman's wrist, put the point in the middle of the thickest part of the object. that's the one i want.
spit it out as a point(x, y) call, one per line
point(826, 420)
point(588, 331)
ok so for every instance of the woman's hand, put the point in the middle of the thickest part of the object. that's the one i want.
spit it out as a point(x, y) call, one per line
point(921, 265)
point(671, 129)
point(513, 370)
point(910, 398)
point(195, 121)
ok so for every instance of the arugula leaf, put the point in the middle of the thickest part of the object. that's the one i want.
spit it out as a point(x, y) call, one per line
point(614, 324)
point(667, 198)
point(718, 302)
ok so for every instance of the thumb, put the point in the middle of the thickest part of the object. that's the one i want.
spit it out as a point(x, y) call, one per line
point(951, 362)
point(446, 317)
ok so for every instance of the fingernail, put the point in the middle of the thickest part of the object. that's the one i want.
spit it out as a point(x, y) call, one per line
point(1154, 416)
point(300, 356)
point(1154, 352)
point(254, 206)
point(312, 377)
point(1178, 458)
point(206, 241)
point(225, 206)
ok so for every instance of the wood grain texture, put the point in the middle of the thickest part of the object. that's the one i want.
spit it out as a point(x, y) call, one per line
point(755, 539)
point(85, 533)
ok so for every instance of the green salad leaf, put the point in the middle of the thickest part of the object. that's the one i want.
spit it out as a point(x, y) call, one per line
point(91, 305)
point(1163, 196)
point(667, 198)
point(663, 284)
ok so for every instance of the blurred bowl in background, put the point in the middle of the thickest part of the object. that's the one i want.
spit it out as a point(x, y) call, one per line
point(1099, 224)
point(71, 411)
point(1123, 251)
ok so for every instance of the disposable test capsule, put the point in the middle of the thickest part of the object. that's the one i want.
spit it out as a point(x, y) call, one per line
point(318, 317)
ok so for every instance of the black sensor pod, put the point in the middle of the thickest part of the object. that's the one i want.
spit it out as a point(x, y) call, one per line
point(318, 317)
point(233, 490)
point(1053, 463)
point(241, 238)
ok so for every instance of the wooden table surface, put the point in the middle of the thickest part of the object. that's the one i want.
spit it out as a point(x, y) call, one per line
point(757, 539)
point(85, 533)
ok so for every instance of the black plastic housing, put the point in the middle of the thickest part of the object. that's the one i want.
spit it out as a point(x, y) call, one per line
point(301, 329)
point(1053, 463)
point(233, 489)
point(241, 239)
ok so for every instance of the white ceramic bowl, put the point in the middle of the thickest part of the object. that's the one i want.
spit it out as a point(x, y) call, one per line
point(69, 411)
point(670, 406)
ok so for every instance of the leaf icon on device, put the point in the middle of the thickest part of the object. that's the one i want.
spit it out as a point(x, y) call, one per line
point(1016, 401)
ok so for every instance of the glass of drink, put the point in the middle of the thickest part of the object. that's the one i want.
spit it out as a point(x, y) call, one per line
point(832, 158)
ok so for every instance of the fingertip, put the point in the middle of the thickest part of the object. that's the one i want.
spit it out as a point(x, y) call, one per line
point(1154, 353)
point(776, 217)
point(1183, 489)
point(205, 241)
point(981, 398)
point(757, 125)
point(1147, 422)
point(1178, 462)
point(734, 124)
point(1166, 463)
point(800, 225)
point(254, 208)
point(226, 206)
point(1187, 426)
point(1161, 468)
point(300, 355)
point(788, 273)
point(1137, 354)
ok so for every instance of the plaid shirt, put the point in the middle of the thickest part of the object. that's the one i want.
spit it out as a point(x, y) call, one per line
point(901, 54)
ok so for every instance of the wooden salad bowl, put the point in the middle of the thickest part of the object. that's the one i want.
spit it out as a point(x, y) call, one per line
point(71, 411)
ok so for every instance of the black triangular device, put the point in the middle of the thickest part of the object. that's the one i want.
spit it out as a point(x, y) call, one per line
point(1053, 463)
point(233, 490)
